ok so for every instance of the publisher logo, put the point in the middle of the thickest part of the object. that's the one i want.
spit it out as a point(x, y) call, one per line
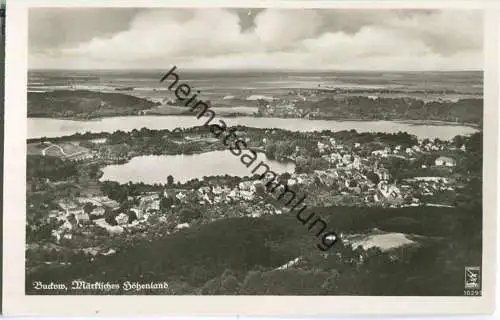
point(472, 277)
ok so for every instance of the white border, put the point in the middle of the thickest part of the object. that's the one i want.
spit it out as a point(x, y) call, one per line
point(15, 302)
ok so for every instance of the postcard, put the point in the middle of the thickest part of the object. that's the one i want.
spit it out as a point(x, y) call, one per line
point(284, 158)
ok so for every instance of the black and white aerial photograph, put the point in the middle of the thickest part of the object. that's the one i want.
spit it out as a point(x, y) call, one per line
point(254, 151)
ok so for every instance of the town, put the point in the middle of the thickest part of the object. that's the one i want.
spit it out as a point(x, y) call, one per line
point(334, 168)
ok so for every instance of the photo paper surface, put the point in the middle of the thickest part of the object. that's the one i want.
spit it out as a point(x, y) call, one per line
point(249, 158)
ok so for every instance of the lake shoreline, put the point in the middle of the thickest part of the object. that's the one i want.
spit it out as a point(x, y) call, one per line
point(51, 127)
point(406, 121)
point(217, 163)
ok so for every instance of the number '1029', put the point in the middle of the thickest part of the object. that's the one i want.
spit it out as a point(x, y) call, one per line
point(469, 292)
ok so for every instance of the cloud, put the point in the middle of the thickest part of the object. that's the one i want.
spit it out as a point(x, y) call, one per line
point(276, 28)
point(51, 28)
point(271, 38)
point(170, 35)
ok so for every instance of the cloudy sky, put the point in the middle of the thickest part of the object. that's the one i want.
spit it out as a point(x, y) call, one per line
point(109, 38)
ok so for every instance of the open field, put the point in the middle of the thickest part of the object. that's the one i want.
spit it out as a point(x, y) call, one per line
point(61, 150)
point(167, 110)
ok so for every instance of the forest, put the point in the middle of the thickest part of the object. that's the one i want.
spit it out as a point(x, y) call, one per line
point(55, 169)
point(238, 256)
point(359, 107)
point(84, 104)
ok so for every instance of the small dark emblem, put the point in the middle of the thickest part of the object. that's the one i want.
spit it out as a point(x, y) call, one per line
point(472, 277)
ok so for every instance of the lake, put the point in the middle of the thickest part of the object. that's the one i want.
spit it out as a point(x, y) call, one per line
point(156, 169)
point(48, 127)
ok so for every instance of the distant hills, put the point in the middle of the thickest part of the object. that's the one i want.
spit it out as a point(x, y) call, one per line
point(367, 108)
point(84, 104)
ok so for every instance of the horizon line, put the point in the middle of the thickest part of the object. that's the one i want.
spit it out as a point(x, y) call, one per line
point(256, 69)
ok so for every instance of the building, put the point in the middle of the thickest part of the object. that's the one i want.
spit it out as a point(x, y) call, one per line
point(445, 162)
point(111, 229)
point(180, 196)
point(138, 213)
point(356, 164)
point(321, 147)
point(154, 205)
point(121, 219)
point(98, 211)
point(182, 226)
point(245, 185)
point(346, 159)
point(383, 174)
point(82, 217)
point(217, 190)
point(80, 156)
point(382, 153)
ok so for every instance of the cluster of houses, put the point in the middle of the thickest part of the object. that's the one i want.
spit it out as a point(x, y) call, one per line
point(82, 211)
point(347, 167)
point(287, 108)
point(428, 186)
point(78, 212)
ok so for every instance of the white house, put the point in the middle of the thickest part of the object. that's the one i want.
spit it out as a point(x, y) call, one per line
point(321, 147)
point(357, 162)
point(245, 185)
point(181, 196)
point(445, 161)
point(247, 195)
point(122, 218)
point(346, 158)
point(155, 205)
point(182, 226)
point(138, 213)
point(383, 174)
point(217, 190)
point(98, 211)
point(82, 217)
point(382, 153)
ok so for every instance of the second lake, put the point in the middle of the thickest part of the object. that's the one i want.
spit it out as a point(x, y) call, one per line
point(156, 169)
point(47, 127)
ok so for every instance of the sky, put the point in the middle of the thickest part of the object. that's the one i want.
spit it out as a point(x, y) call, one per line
point(219, 38)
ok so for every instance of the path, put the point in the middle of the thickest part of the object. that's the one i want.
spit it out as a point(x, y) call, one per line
point(61, 149)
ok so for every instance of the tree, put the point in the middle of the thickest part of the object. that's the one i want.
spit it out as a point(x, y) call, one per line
point(284, 177)
point(165, 202)
point(132, 216)
point(260, 189)
point(88, 207)
point(170, 180)
point(109, 217)
point(458, 141)
point(188, 215)
point(271, 151)
point(94, 171)
point(329, 286)
point(373, 177)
